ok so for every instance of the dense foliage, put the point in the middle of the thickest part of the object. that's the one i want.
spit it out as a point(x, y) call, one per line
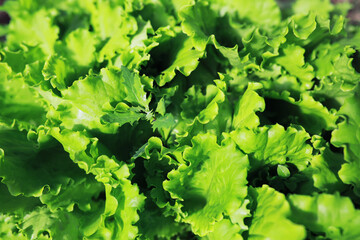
point(182, 119)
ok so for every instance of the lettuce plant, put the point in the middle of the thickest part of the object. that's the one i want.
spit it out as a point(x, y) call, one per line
point(168, 119)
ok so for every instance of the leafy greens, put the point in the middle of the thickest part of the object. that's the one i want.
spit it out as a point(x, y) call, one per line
point(191, 119)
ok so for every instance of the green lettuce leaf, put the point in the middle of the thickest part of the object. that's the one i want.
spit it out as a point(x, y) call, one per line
point(123, 199)
point(158, 162)
point(206, 186)
point(79, 108)
point(19, 104)
point(224, 230)
point(19, 204)
point(320, 7)
point(154, 224)
point(270, 217)
point(203, 112)
point(292, 59)
point(306, 111)
point(332, 215)
point(326, 165)
point(8, 229)
point(245, 110)
point(262, 13)
point(58, 225)
point(32, 168)
point(274, 145)
point(346, 136)
point(33, 29)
